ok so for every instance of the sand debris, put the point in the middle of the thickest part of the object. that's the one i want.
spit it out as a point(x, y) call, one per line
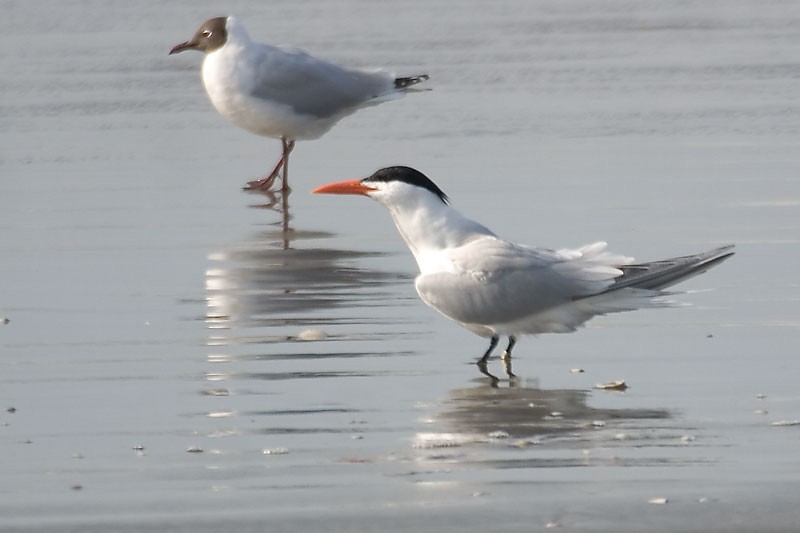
point(275, 451)
point(618, 385)
point(216, 392)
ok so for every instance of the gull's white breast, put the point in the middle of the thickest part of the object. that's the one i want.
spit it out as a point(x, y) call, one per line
point(228, 78)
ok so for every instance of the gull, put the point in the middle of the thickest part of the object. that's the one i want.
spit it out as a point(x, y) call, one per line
point(283, 92)
point(494, 287)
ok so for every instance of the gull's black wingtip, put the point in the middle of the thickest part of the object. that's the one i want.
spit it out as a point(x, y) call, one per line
point(404, 83)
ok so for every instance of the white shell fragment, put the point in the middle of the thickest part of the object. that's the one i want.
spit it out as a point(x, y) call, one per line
point(576, 370)
point(794, 422)
point(612, 385)
point(658, 501)
point(312, 335)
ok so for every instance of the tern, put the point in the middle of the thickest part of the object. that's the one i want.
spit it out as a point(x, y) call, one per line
point(494, 287)
point(283, 92)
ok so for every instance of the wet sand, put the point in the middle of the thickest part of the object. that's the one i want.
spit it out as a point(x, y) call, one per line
point(179, 357)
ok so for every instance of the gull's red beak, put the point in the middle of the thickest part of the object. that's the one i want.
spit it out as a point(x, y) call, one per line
point(188, 45)
point(345, 187)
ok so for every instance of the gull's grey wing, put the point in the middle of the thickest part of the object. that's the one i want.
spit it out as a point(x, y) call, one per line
point(495, 282)
point(313, 86)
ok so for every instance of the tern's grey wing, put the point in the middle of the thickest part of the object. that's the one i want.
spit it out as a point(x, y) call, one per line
point(497, 282)
point(668, 272)
point(313, 86)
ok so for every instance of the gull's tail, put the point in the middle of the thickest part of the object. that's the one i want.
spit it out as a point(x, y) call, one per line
point(405, 83)
point(661, 274)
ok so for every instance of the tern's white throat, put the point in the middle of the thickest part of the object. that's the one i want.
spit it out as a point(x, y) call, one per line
point(428, 225)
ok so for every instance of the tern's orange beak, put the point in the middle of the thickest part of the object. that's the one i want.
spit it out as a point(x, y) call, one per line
point(345, 187)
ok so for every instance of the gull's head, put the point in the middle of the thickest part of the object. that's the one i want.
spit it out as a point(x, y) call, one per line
point(391, 186)
point(212, 35)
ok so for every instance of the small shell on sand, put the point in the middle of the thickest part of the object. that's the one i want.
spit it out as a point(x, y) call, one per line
point(312, 335)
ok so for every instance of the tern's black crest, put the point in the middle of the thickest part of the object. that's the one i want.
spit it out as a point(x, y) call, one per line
point(410, 176)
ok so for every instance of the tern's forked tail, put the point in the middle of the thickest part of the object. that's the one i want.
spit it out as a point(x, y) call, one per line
point(657, 275)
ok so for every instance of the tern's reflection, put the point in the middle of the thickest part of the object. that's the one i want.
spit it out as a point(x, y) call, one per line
point(521, 416)
point(524, 411)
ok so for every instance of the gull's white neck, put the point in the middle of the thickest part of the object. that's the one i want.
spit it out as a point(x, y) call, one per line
point(430, 228)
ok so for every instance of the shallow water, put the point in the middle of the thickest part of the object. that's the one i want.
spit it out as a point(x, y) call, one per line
point(154, 308)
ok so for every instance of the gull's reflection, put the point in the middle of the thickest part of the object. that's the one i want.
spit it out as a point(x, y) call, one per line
point(277, 201)
point(259, 283)
point(272, 295)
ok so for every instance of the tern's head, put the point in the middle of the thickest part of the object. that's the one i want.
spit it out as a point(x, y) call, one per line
point(211, 36)
point(390, 186)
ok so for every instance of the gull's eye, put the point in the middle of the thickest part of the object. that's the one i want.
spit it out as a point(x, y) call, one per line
point(207, 33)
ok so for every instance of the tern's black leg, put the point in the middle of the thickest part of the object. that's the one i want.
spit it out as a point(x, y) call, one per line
point(507, 356)
point(482, 361)
point(492, 345)
point(512, 340)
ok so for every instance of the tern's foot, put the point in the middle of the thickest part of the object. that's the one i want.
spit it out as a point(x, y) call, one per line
point(506, 358)
point(485, 371)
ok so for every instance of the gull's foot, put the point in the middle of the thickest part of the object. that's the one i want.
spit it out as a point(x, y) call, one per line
point(262, 185)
